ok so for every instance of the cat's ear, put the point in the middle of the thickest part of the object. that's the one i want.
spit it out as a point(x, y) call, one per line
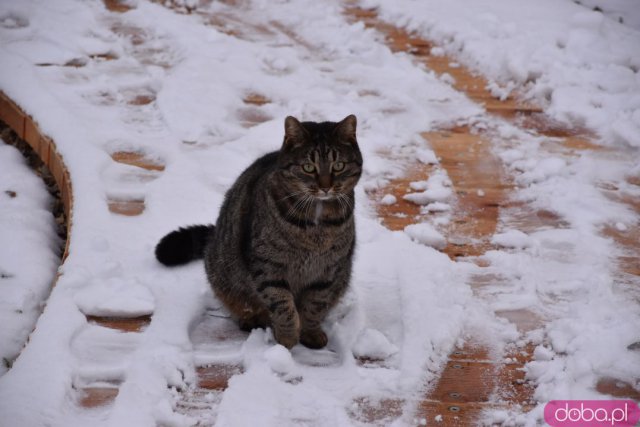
point(294, 132)
point(346, 129)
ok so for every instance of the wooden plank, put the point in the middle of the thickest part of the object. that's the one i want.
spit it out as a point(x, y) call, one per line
point(119, 6)
point(376, 411)
point(93, 397)
point(216, 377)
point(32, 134)
point(12, 115)
point(65, 195)
point(472, 376)
point(478, 180)
point(44, 149)
point(124, 207)
point(256, 99)
point(465, 382)
point(447, 414)
point(398, 215)
point(140, 160)
point(124, 324)
point(56, 166)
point(618, 389)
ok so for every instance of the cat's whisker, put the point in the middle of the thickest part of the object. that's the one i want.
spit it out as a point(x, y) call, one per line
point(344, 204)
point(347, 205)
point(301, 206)
point(297, 205)
point(339, 199)
point(308, 205)
point(347, 200)
point(295, 193)
point(350, 202)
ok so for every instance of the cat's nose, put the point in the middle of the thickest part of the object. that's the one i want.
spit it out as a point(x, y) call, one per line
point(324, 183)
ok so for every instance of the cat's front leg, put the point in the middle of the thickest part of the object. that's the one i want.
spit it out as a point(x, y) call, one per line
point(278, 299)
point(315, 302)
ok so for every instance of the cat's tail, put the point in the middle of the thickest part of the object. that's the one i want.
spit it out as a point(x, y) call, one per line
point(183, 245)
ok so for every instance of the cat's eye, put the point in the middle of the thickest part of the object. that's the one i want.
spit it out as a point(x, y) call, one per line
point(338, 166)
point(308, 167)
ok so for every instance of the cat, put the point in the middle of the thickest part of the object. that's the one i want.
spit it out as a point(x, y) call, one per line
point(281, 252)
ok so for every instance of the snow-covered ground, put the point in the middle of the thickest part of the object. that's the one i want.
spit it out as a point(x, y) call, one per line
point(409, 303)
point(29, 253)
point(580, 64)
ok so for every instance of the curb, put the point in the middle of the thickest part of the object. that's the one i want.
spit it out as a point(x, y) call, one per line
point(28, 130)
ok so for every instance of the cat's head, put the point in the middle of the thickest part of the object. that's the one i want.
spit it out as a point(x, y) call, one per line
point(321, 160)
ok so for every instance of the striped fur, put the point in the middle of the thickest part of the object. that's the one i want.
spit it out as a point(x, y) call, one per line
point(281, 252)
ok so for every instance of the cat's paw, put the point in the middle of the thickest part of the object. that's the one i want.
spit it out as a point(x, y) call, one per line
point(313, 338)
point(287, 340)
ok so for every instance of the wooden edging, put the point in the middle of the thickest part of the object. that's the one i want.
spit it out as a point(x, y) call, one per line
point(28, 130)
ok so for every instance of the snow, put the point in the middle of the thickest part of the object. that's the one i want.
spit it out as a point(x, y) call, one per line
point(279, 359)
point(115, 297)
point(197, 128)
point(409, 303)
point(579, 64)
point(512, 239)
point(620, 226)
point(29, 255)
point(542, 353)
point(540, 170)
point(436, 207)
point(426, 156)
point(372, 344)
point(426, 234)
point(435, 189)
point(388, 199)
point(428, 196)
point(624, 11)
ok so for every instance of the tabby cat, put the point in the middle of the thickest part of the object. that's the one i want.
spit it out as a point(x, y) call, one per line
point(281, 251)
